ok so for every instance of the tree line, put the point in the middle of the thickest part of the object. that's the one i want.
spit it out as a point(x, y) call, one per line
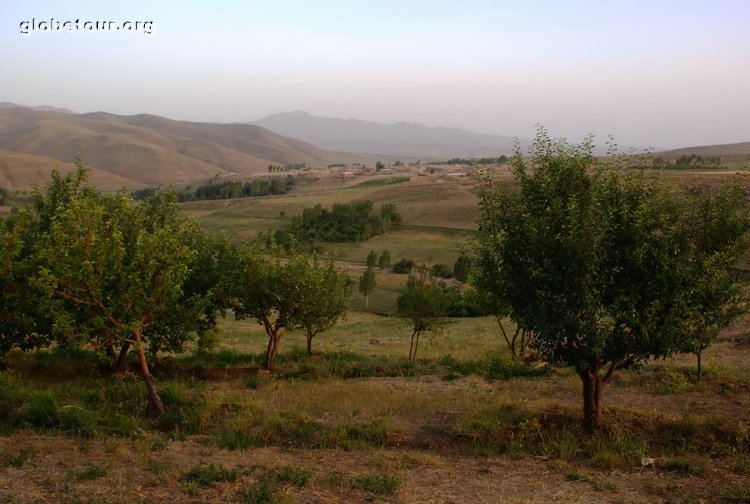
point(227, 189)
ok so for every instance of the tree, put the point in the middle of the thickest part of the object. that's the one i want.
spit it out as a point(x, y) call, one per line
point(326, 292)
point(205, 295)
point(593, 261)
point(379, 166)
point(425, 305)
point(372, 259)
point(385, 260)
point(461, 268)
point(367, 284)
point(23, 322)
point(117, 266)
point(265, 290)
point(718, 296)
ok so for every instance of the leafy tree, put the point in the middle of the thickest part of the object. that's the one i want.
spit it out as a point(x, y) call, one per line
point(718, 296)
point(205, 295)
point(118, 266)
point(23, 323)
point(379, 165)
point(461, 268)
point(367, 284)
point(425, 305)
point(326, 292)
point(385, 260)
point(264, 290)
point(592, 261)
point(372, 259)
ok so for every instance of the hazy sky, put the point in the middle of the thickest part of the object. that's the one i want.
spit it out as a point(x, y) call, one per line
point(658, 72)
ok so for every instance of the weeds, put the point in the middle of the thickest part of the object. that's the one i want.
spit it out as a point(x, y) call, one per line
point(376, 484)
point(19, 459)
point(203, 474)
point(263, 492)
point(294, 475)
point(92, 472)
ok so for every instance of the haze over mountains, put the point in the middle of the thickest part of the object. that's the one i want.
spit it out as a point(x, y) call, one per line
point(407, 139)
point(133, 151)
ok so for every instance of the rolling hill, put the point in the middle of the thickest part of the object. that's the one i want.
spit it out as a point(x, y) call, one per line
point(407, 139)
point(144, 149)
point(729, 153)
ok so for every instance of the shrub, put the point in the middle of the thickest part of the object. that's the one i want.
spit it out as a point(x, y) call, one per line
point(404, 266)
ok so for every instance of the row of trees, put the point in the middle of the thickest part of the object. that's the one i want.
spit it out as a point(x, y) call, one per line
point(80, 267)
point(227, 189)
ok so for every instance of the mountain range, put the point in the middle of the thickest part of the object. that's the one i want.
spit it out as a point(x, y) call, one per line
point(406, 139)
point(133, 151)
point(140, 150)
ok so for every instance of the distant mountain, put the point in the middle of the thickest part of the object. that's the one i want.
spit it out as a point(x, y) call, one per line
point(413, 140)
point(41, 108)
point(144, 149)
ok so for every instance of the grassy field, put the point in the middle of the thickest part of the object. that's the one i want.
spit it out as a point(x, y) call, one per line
point(357, 422)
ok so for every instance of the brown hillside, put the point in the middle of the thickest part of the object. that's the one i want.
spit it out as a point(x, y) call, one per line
point(21, 171)
point(146, 149)
point(736, 152)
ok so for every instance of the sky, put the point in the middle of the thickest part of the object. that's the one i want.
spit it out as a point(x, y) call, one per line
point(658, 73)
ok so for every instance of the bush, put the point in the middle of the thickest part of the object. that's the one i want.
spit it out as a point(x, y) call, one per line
point(442, 270)
point(404, 266)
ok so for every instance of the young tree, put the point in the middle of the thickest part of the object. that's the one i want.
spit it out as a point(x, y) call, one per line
point(718, 296)
point(326, 292)
point(592, 261)
point(461, 268)
point(118, 266)
point(385, 260)
point(367, 284)
point(425, 305)
point(372, 259)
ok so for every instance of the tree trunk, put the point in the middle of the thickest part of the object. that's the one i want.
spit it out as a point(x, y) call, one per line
point(112, 355)
point(698, 355)
point(411, 347)
point(122, 359)
point(416, 345)
point(274, 336)
point(309, 342)
point(153, 395)
point(367, 300)
point(592, 394)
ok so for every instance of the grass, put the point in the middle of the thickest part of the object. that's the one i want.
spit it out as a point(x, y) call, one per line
point(374, 484)
point(263, 492)
point(93, 471)
point(208, 474)
point(340, 422)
